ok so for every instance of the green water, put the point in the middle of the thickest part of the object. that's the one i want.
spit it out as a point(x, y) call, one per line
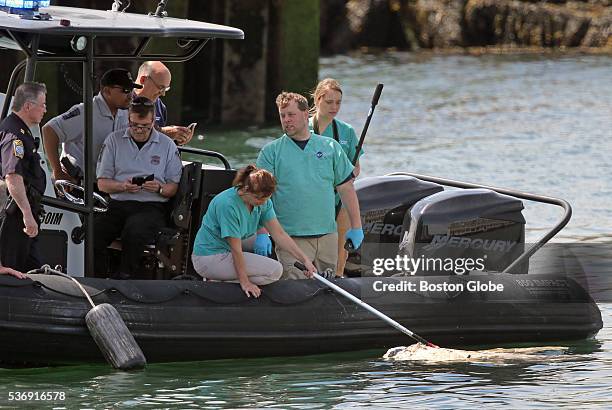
point(537, 124)
point(360, 379)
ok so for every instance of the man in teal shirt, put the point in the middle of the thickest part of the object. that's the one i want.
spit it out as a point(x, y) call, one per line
point(307, 168)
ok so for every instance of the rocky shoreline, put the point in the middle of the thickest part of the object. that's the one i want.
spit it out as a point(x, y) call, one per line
point(477, 25)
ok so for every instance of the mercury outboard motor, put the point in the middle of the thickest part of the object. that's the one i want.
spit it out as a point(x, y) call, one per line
point(384, 201)
point(455, 232)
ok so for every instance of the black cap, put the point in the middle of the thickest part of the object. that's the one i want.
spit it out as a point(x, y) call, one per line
point(120, 77)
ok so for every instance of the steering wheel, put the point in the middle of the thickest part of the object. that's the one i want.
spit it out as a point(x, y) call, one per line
point(100, 204)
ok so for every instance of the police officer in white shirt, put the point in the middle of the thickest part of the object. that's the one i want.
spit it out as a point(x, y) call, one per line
point(140, 168)
point(109, 114)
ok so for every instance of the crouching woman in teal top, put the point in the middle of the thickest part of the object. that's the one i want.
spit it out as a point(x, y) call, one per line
point(234, 215)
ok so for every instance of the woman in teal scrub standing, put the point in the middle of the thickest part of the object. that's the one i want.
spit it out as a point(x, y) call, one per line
point(234, 215)
point(327, 98)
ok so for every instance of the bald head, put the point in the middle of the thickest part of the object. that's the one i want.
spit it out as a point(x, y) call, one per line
point(155, 79)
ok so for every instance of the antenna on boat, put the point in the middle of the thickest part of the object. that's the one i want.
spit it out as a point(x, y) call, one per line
point(161, 10)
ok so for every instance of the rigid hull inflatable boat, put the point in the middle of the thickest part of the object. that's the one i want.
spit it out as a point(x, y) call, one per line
point(175, 317)
point(43, 319)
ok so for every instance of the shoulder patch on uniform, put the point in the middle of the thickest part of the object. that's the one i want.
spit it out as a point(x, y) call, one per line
point(18, 149)
point(72, 113)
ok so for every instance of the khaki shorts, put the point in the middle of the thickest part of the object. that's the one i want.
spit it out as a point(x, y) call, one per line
point(323, 252)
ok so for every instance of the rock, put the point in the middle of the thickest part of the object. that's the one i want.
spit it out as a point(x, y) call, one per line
point(599, 33)
point(511, 22)
point(410, 24)
point(437, 23)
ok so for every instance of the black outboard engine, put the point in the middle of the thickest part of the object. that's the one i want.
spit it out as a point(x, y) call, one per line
point(455, 232)
point(384, 201)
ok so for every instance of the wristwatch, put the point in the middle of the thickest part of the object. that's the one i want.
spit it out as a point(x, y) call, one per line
point(161, 190)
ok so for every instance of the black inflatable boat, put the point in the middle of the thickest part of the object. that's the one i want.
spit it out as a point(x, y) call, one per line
point(42, 319)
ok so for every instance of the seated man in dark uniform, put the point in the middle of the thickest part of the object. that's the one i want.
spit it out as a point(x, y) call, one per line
point(25, 179)
point(140, 168)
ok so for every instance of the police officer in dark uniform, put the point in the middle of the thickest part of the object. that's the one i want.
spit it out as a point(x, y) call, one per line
point(24, 177)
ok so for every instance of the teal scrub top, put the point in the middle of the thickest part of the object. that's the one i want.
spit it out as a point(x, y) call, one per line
point(228, 217)
point(347, 138)
point(304, 197)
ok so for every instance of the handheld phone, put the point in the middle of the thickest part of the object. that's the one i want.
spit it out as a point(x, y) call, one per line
point(141, 180)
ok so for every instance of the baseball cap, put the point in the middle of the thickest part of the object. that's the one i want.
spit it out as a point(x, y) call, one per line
point(120, 77)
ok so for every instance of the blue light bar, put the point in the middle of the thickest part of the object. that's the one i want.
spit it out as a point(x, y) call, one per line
point(25, 4)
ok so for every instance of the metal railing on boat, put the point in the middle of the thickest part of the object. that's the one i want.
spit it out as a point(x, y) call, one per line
point(567, 214)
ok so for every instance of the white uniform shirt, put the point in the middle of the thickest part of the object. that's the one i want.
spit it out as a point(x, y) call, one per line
point(120, 159)
point(69, 129)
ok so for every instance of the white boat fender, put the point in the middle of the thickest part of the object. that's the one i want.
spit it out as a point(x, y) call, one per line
point(109, 331)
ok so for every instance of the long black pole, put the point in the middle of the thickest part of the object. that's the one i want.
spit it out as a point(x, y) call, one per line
point(369, 308)
point(375, 98)
point(349, 244)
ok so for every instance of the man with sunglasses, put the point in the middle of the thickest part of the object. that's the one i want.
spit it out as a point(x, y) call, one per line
point(155, 79)
point(109, 114)
point(140, 168)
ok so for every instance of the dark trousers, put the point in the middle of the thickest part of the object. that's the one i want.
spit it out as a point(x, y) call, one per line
point(17, 250)
point(136, 223)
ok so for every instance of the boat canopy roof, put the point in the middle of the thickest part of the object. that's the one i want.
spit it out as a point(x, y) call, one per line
point(80, 21)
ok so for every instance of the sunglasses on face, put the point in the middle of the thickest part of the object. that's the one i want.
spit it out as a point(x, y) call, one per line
point(123, 90)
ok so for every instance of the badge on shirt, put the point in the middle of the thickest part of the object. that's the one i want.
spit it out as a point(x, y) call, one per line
point(155, 159)
point(319, 154)
point(18, 149)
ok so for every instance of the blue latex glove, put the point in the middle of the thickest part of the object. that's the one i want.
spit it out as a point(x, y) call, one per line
point(355, 236)
point(263, 244)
